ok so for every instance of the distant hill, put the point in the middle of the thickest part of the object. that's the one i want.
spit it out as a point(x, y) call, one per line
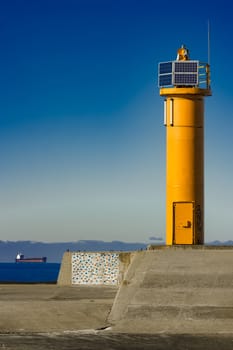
point(226, 243)
point(54, 251)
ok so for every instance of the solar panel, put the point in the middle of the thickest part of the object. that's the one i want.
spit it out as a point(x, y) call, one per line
point(165, 67)
point(185, 79)
point(165, 80)
point(186, 67)
point(179, 73)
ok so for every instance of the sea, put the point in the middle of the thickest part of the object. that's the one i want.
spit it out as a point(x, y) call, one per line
point(28, 272)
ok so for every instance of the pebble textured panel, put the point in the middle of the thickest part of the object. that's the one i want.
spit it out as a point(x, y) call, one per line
point(95, 268)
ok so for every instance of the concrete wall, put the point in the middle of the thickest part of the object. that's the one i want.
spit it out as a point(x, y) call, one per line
point(64, 277)
point(177, 289)
point(93, 268)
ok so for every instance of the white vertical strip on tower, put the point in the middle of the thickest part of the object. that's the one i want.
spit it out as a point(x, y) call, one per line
point(165, 113)
point(171, 111)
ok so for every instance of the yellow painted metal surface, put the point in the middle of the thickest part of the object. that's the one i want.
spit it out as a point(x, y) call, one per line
point(183, 214)
point(184, 120)
point(184, 91)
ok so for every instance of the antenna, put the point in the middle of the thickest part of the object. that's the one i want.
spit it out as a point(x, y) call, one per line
point(208, 42)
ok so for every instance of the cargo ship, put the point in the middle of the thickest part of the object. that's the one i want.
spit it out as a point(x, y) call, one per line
point(20, 258)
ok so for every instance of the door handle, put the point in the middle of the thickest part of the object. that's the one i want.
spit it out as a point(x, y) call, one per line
point(188, 224)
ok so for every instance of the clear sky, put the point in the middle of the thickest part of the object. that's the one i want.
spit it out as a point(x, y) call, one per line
point(82, 141)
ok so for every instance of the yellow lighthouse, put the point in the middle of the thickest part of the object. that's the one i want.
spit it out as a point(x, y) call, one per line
point(184, 83)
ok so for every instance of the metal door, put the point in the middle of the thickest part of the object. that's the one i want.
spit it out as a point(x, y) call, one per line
point(183, 222)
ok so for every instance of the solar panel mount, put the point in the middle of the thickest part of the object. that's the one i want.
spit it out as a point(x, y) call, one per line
point(179, 73)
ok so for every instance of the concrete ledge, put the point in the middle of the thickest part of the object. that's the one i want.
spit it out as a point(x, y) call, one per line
point(187, 246)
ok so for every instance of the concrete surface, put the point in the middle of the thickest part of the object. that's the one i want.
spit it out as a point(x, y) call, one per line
point(51, 308)
point(176, 290)
point(165, 291)
point(65, 273)
point(110, 341)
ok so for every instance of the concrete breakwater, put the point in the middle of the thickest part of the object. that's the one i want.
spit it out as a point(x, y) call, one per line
point(178, 289)
point(166, 289)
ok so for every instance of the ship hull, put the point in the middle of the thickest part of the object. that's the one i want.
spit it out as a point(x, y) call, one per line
point(31, 260)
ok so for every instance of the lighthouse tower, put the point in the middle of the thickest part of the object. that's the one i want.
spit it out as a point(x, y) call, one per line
point(184, 84)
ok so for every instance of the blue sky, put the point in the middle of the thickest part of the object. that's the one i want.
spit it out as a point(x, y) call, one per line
point(82, 141)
